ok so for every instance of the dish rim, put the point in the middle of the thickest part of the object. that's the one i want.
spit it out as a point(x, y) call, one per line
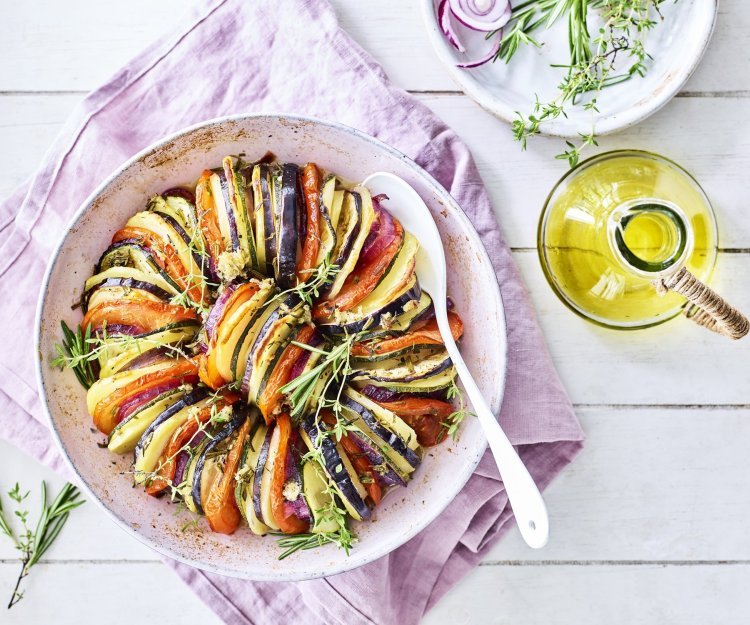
point(343, 566)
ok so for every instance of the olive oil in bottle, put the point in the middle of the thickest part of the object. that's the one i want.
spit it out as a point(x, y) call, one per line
point(609, 228)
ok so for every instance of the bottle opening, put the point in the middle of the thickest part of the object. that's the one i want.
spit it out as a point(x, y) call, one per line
point(651, 236)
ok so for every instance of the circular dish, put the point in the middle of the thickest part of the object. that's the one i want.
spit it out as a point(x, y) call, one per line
point(677, 45)
point(179, 160)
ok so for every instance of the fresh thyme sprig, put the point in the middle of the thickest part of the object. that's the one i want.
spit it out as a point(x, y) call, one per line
point(453, 421)
point(310, 290)
point(591, 66)
point(33, 544)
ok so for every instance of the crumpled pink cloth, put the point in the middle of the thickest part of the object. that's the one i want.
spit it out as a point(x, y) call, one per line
point(231, 56)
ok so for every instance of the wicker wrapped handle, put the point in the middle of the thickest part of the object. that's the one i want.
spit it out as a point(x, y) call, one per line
point(707, 308)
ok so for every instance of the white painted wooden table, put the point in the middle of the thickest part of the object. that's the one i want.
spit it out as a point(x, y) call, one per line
point(649, 525)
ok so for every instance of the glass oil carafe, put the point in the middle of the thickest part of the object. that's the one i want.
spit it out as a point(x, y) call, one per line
point(627, 240)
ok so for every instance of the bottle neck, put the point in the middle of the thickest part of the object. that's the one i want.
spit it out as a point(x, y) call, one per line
point(650, 237)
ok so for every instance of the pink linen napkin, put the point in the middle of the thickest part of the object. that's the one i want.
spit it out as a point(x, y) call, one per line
point(291, 56)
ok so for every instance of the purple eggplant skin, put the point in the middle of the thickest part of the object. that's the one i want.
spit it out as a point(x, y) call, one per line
point(185, 194)
point(394, 307)
point(347, 245)
point(200, 262)
point(290, 302)
point(239, 415)
point(266, 189)
point(183, 458)
point(258, 475)
point(334, 466)
point(388, 437)
point(287, 230)
point(188, 400)
point(382, 394)
point(388, 477)
point(447, 362)
point(227, 201)
point(128, 283)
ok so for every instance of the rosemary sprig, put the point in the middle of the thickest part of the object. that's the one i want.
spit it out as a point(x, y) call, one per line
point(33, 544)
point(80, 350)
point(591, 65)
point(75, 353)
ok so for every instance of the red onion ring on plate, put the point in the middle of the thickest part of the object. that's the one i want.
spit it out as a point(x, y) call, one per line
point(469, 12)
point(446, 26)
point(485, 59)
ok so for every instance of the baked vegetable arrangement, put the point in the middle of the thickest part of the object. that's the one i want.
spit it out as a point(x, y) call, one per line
point(264, 350)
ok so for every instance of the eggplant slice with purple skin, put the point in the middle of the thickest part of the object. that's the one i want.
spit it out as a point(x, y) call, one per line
point(337, 467)
point(212, 455)
point(286, 227)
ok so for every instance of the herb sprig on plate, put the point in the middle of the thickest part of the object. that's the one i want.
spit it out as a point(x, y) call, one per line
point(592, 64)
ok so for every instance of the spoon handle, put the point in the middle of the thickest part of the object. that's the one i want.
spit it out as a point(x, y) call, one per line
point(523, 494)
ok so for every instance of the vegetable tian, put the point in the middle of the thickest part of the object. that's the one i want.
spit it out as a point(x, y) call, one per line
point(263, 348)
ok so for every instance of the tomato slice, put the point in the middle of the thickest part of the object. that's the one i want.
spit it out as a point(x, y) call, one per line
point(271, 398)
point(144, 314)
point(208, 372)
point(364, 469)
point(360, 283)
point(428, 334)
point(425, 416)
point(105, 412)
point(311, 244)
point(183, 436)
point(220, 506)
point(207, 216)
point(288, 524)
point(171, 260)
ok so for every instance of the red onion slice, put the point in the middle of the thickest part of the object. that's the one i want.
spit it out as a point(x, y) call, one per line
point(485, 59)
point(481, 15)
point(381, 235)
point(218, 309)
point(446, 26)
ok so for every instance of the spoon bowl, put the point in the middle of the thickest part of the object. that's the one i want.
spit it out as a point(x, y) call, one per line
point(405, 204)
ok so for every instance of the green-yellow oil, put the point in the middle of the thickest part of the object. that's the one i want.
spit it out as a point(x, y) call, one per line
point(577, 251)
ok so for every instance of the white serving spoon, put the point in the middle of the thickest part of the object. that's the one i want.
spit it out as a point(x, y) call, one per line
point(405, 205)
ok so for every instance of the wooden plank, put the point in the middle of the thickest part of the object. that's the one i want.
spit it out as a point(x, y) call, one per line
point(102, 592)
point(650, 485)
point(517, 182)
point(675, 363)
point(77, 44)
point(593, 595)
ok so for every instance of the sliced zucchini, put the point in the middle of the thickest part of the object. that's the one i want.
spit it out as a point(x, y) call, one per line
point(327, 228)
point(242, 216)
point(117, 274)
point(266, 476)
point(246, 477)
point(367, 217)
point(128, 432)
point(438, 382)
point(405, 369)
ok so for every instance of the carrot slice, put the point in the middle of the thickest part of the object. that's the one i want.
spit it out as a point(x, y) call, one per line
point(171, 260)
point(425, 416)
point(287, 524)
point(220, 507)
point(428, 334)
point(184, 434)
point(271, 397)
point(144, 314)
point(361, 282)
point(105, 412)
point(311, 244)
